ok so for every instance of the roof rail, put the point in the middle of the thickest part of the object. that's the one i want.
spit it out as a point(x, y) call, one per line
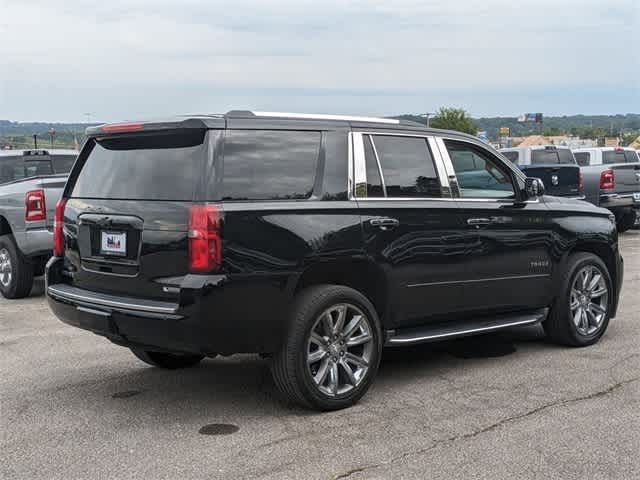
point(314, 116)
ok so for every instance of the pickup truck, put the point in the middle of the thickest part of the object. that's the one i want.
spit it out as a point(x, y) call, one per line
point(31, 182)
point(612, 180)
point(554, 165)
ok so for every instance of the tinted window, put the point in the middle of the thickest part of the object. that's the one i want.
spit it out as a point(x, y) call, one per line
point(62, 163)
point(11, 168)
point(374, 183)
point(157, 167)
point(513, 156)
point(269, 165)
point(477, 172)
point(583, 158)
point(407, 166)
point(551, 156)
point(33, 168)
point(611, 156)
point(631, 156)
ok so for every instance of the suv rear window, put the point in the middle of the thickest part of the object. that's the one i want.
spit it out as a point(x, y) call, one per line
point(269, 164)
point(153, 167)
point(552, 156)
point(583, 158)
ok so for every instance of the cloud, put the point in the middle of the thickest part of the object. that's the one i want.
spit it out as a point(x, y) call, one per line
point(68, 57)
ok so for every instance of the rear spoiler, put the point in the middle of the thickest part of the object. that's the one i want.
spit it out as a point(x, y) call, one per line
point(180, 123)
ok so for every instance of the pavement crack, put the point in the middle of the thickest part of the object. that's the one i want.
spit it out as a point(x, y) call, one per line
point(558, 403)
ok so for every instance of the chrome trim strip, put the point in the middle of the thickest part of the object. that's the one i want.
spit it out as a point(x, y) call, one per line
point(350, 187)
point(439, 163)
point(314, 116)
point(375, 152)
point(452, 282)
point(422, 338)
point(67, 292)
point(447, 199)
point(359, 167)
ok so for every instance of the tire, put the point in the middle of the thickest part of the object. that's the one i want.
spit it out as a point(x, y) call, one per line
point(626, 221)
point(308, 337)
point(564, 326)
point(168, 361)
point(16, 272)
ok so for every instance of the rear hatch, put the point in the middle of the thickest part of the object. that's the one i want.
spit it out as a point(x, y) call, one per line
point(127, 212)
point(557, 168)
point(626, 168)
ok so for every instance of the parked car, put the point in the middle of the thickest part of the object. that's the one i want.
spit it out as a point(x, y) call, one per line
point(316, 241)
point(31, 183)
point(554, 165)
point(612, 180)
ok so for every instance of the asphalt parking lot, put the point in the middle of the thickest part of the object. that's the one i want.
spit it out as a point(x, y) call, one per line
point(509, 405)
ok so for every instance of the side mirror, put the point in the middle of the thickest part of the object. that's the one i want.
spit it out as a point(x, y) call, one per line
point(533, 187)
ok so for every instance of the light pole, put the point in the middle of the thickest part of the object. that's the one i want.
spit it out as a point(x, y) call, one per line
point(427, 116)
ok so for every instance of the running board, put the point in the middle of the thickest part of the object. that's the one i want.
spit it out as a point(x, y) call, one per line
point(444, 331)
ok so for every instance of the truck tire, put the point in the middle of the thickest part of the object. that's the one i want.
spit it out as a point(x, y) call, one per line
point(626, 221)
point(580, 314)
point(332, 349)
point(168, 361)
point(16, 272)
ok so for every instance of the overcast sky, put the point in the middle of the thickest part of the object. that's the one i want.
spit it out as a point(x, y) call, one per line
point(147, 58)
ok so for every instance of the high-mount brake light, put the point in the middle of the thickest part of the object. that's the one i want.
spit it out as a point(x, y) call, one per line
point(205, 242)
point(36, 208)
point(607, 180)
point(121, 127)
point(58, 222)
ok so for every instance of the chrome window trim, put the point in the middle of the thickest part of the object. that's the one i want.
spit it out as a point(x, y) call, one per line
point(360, 172)
point(350, 160)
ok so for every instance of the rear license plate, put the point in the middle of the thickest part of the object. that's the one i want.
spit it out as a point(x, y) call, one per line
point(113, 243)
point(636, 197)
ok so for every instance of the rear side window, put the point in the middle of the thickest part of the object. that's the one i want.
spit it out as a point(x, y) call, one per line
point(11, 169)
point(583, 158)
point(151, 167)
point(269, 164)
point(612, 156)
point(62, 163)
point(407, 166)
point(512, 156)
point(631, 156)
point(552, 156)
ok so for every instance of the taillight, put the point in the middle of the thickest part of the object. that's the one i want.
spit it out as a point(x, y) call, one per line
point(580, 182)
point(607, 180)
point(58, 222)
point(36, 209)
point(205, 242)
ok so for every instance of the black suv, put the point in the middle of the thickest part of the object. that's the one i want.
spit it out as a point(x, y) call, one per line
point(317, 241)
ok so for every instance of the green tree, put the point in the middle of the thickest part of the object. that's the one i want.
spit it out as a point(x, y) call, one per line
point(454, 119)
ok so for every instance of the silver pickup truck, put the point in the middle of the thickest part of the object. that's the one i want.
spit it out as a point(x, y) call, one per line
point(611, 177)
point(31, 182)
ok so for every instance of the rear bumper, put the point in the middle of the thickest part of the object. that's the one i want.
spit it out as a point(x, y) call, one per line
point(211, 315)
point(613, 201)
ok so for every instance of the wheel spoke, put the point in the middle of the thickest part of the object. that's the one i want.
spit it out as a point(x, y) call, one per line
point(574, 304)
point(350, 375)
point(321, 374)
point(592, 320)
point(359, 340)
point(333, 378)
point(594, 281)
point(342, 313)
point(585, 278)
point(317, 339)
point(599, 292)
point(351, 358)
point(327, 322)
point(599, 309)
point(317, 355)
point(584, 321)
point(351, 327)
point(577, 317)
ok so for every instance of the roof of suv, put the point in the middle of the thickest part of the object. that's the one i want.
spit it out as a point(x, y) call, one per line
point(260, 118)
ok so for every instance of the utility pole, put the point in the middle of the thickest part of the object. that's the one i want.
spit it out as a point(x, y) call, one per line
point(35, 141)
point(428, 117)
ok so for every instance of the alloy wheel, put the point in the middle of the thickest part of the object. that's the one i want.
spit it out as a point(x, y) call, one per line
point(6, 269)
point(339, 349)
point(589, 300)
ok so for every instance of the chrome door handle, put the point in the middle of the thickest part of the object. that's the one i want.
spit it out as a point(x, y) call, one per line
point(384, 223)
point(479, 221)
